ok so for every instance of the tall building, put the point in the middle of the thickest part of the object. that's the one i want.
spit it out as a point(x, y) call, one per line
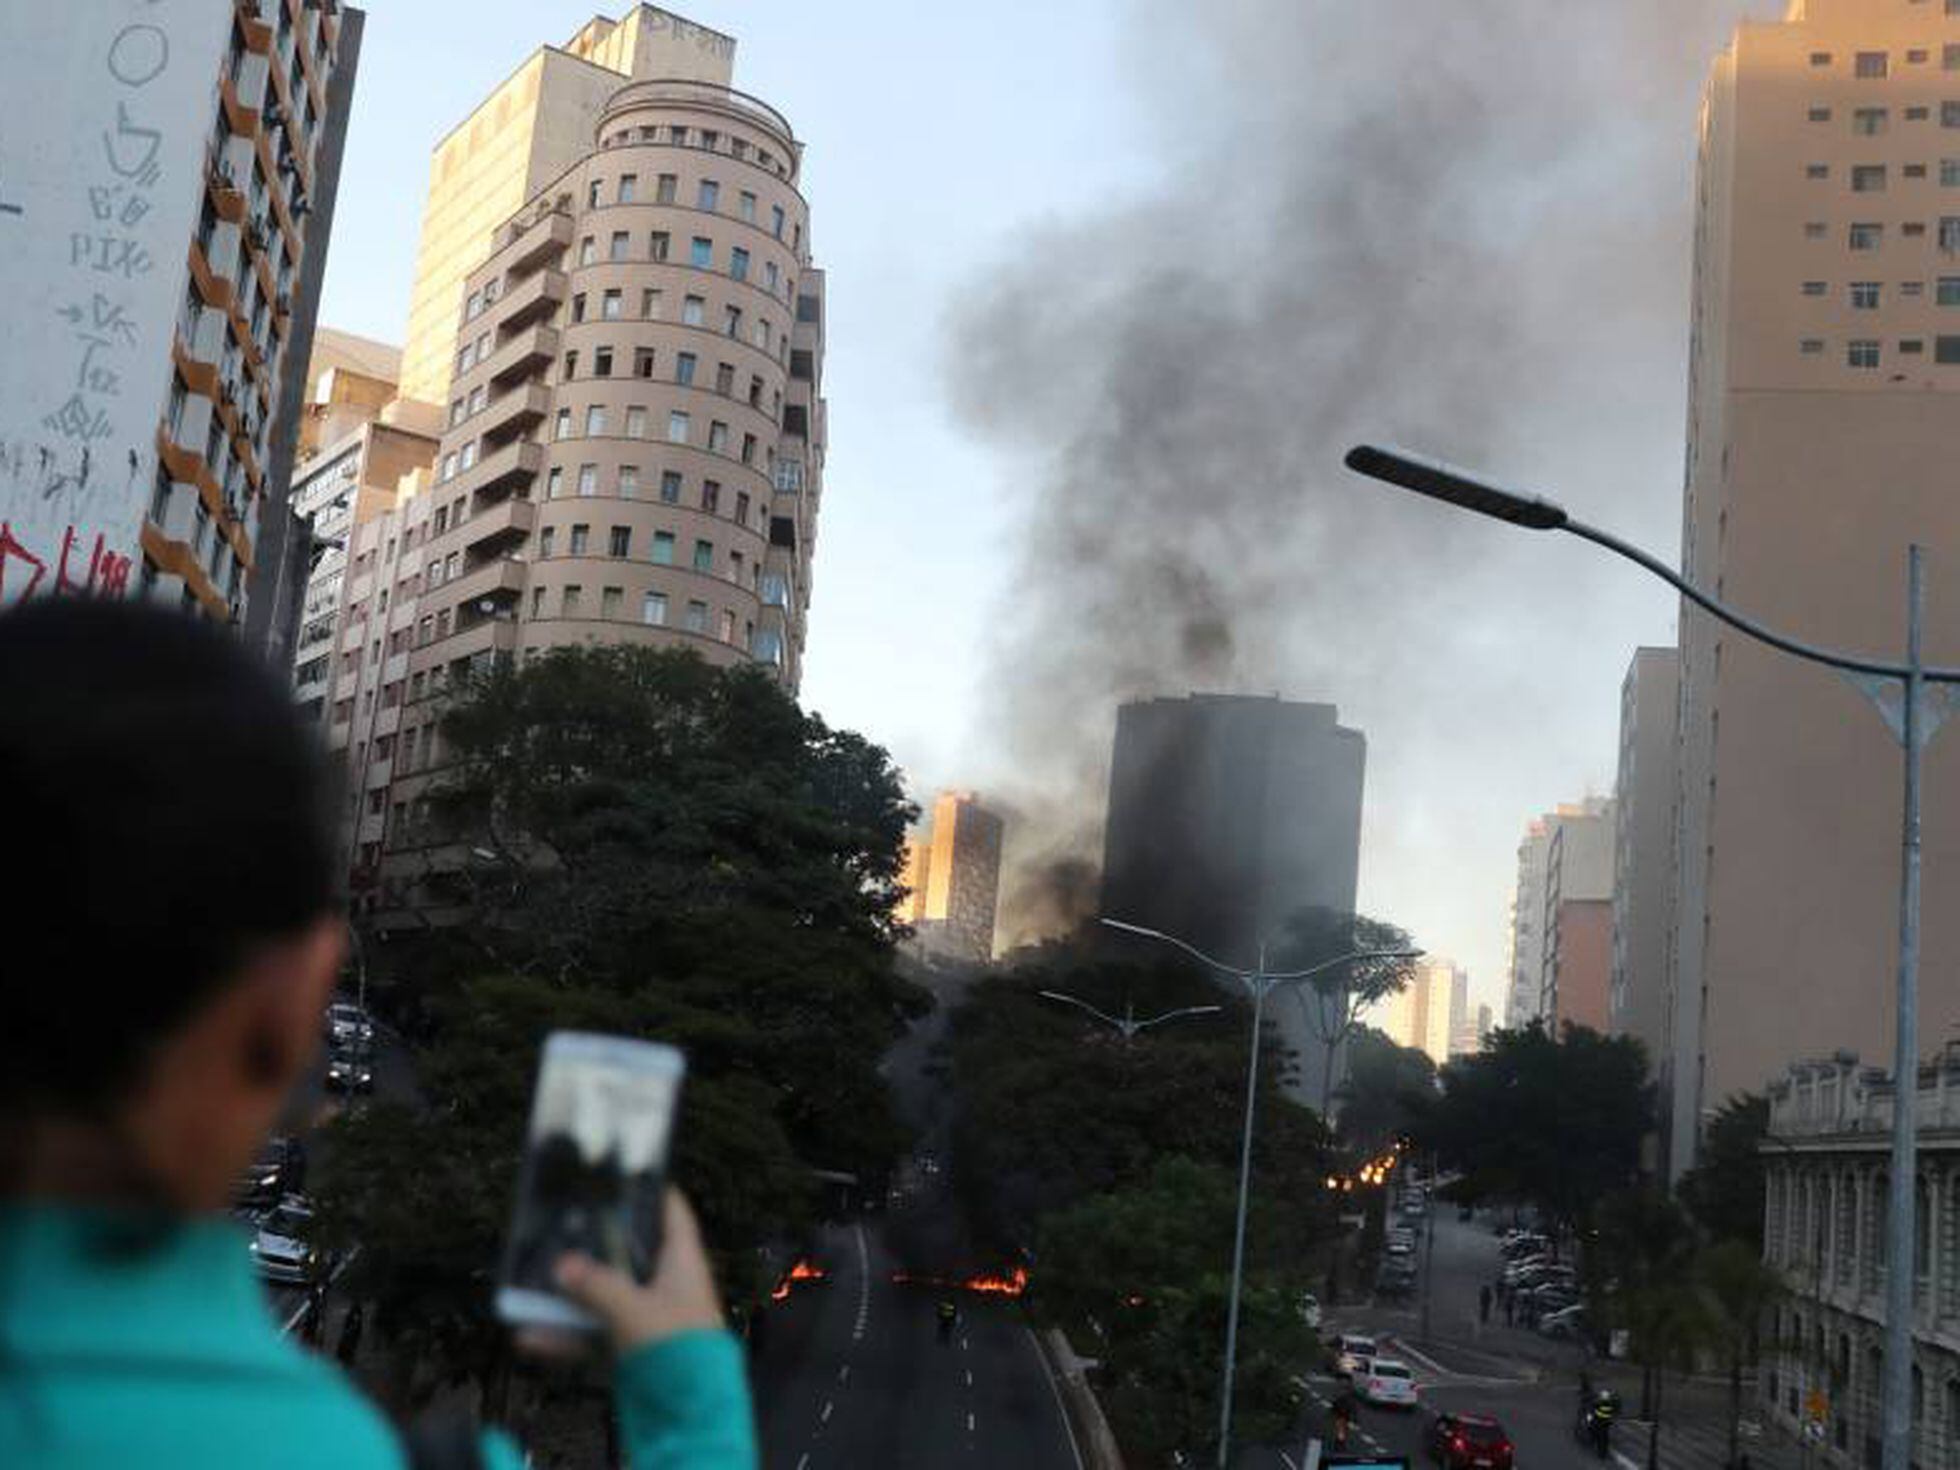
point(1227, 816)
point(631, 448)
point(1526, 958)
point(165, 271)
point(1825, 379)
point(953, 872)
point(1469, 1037)
point(1577, 953)
point(1430, 1013)
point(528, 133)
point(1644, 799)
point(360, 445)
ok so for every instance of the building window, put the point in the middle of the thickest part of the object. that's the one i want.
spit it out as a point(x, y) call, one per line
point(642, 362)
point(708, 196)
point(1862, 353)
point(1820, 58)
point(1867, 178)
point(1813, 288)
point(1946, 349)
point(704, 556)
point(1912, 288)
point(650, 305)
point(554, 482)
point(745, 206)
point(731, 322)
point(653, 609)
point(727, 626)
point(742, 508)
point(571, 366)
point(1870, 64)
point(1949, 233)
point(581, 537)
point(697, 617)
point(1869, 122)
point(595, 420)
point(1950, 114)
point(776, 220)
point(629, 481)
point(629, 188)
point(1819, 114)
point(602, 362)
point(701, 252)
point(592, 195)
point(588, 251)
point(570, 606)
point(738, 263)
point(1947, 291)
point(1864, 295)
point(1811, 346)
point(718, 436)
point(578, 307)
point(663, 548)
point(657, 245)
point(1867, 236)
point(684, 369)
point(616, 249)
point(1914, 170)
point(725, 379)
point(537, 602)
point(620, 542)
point(1912, 346)
point(693, 309)
point(547, 540)
point(610, 308)
point(1817, 171)
point(636, 422)
point(562, 426)
point(670, 487)
point(748, 449)
point(677, 427)
point(664, 188)
point(1918, 114)
point(611, 599)
point(588, 481)
point(710, 496)
point(1912, 228)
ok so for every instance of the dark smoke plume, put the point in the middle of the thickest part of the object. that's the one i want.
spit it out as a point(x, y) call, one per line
point(1464, 227)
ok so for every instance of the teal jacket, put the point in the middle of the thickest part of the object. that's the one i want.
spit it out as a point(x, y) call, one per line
point(164, 1354)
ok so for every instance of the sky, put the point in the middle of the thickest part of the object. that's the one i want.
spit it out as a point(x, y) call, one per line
point(1111, 286)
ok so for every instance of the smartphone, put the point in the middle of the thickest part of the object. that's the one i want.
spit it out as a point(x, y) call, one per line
point(595, 1169)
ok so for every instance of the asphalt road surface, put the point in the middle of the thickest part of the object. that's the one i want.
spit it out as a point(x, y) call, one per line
point(850, 1375)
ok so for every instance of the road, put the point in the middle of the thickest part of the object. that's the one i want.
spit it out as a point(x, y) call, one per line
point(850, 1374)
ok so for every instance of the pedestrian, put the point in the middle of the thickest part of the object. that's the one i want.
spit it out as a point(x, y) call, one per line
point(180, 925)
point(1483, 1303)
point(349, 1345)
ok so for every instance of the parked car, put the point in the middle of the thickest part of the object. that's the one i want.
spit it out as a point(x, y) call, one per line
point(348, 1025)
point(1567, 1324)
point(351, 1070)
point(277, 1171)
point(1386, 1382)
point(1352, 1353)
point(1394, 1280)
point(281, 1249)
point(1469, 1442)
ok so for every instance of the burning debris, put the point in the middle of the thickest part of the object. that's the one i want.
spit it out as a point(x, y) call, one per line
point(1011, 1283)
point(804, 1271)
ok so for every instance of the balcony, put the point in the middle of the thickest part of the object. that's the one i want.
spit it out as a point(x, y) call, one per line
point(496, 581)
point(387, 720)
point(529, 351)
point(500, 527)
point(312, 691)
point(513, 412)
point(514, 464)
point(394, 668)
point(492, 635)
point(531, 239)
point(537, 295)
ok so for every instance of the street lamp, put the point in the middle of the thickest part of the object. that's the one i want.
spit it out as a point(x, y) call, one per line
point(1259, 984)
point(1127, 1024)
point(1913, 714)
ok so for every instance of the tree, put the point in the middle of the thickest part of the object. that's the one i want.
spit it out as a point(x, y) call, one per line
point(1740, 1290)
point(1647, 1251)
point(629, 840)
point(1725, 1189)
point(1332, 1002)
point(1556, 1122)
point(1147, 1263)
point(1390, 1092)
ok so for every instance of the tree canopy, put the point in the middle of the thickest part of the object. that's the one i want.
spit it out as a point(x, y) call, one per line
point(1724, 1190)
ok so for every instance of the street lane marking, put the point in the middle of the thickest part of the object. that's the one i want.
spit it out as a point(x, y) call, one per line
point(1056, 1389)
point(963, 1344)
point(969, 1421)
point(1428, 1362)
point(824, 1417)
point(802, 1460)
point(844, 1374)
point(969, 1378)
point(1624, 1462)
point(864, 1286)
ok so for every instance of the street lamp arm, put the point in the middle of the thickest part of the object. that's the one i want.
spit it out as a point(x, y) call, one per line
point(1287, 977)
point(1174, 1015)
point(1082, 1005)
point(1172, 939)
point(1742, 622)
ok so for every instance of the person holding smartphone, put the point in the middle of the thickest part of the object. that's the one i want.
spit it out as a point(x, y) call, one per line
point(170, 934)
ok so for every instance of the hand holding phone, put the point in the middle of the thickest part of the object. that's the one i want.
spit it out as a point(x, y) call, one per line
point(593, 1184)
point(680, 1298)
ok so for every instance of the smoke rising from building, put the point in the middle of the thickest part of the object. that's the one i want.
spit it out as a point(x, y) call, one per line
point(1461, 228)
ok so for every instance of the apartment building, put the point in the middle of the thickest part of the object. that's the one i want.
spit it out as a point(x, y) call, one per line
point(952, 868)
point(1825, 363)
point(153, 381)
point(1525, 960)
point(1432, 1012)
point(1827, 1158)
point(1643, 860)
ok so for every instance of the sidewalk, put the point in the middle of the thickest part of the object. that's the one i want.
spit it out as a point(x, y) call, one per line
point(1695, 1425)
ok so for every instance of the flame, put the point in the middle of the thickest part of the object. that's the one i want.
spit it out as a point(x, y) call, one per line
point(801, 1271)
point(982, 1283)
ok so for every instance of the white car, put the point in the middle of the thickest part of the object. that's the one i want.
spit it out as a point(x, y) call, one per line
point(1352, 1354)
point(1388, 1383)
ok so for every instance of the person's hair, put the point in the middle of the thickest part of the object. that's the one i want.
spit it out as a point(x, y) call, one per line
point(164, 812)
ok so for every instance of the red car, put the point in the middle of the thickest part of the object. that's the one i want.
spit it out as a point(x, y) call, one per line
point(1469, 1442)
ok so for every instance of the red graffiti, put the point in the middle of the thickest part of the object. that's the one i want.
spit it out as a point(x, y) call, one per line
point(106, 575)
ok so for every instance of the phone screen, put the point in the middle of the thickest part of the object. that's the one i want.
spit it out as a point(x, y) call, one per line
point(595, 1168)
